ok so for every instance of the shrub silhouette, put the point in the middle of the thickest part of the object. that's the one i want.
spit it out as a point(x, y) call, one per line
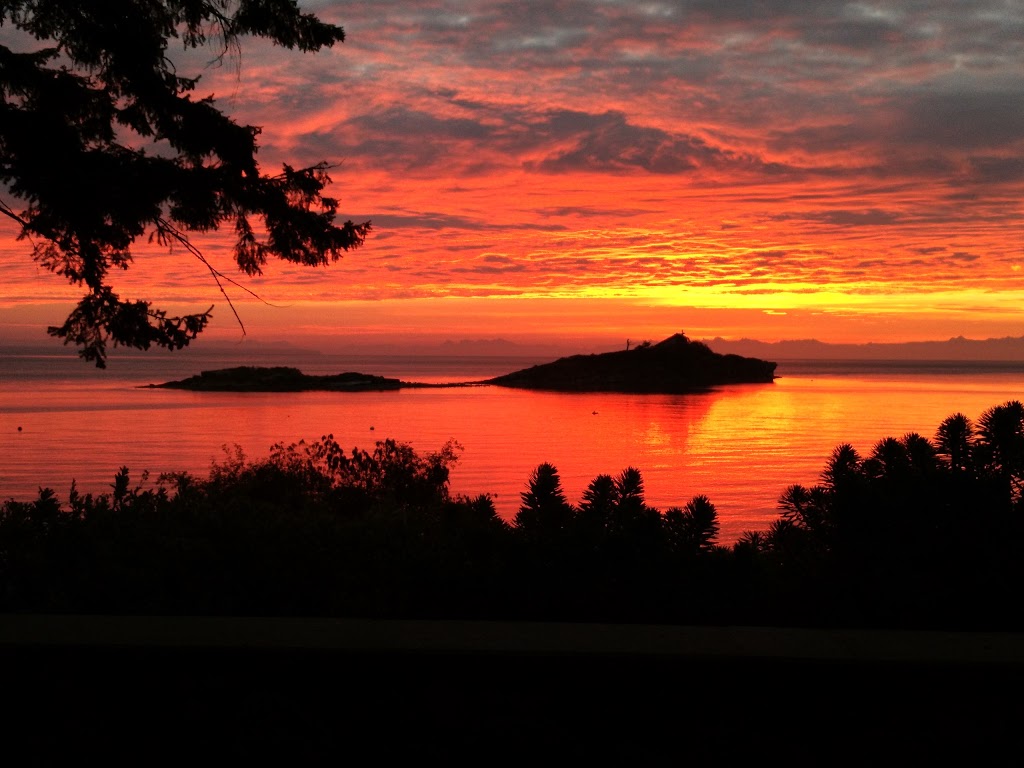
point(692, 529)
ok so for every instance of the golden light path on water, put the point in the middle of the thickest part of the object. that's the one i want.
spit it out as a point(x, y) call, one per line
point(739, 445)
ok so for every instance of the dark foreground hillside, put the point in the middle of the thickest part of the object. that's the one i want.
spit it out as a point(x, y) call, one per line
point(169, 691)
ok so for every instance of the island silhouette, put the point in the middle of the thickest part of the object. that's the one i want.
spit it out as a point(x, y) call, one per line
point(672, 366)
point(284, 379)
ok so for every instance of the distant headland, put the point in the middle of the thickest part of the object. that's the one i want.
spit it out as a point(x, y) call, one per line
point(672, 366)
point(958, 349)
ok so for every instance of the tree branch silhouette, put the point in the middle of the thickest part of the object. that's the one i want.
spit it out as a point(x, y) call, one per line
point(79, 118)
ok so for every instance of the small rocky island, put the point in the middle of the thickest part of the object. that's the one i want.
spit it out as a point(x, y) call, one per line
point(283, 379)
point(672, 366)
point(675, 365)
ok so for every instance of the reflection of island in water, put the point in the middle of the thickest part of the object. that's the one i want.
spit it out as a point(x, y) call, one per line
point(675, 365)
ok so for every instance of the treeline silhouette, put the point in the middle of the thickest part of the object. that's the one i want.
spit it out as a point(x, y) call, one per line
point(919, 533)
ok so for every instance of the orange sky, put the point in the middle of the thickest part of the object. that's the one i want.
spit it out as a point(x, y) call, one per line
point(600, 169)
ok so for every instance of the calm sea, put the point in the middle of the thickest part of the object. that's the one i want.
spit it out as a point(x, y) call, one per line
point(740, 445)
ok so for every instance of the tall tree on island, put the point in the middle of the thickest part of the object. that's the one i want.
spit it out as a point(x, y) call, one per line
point(103, 142)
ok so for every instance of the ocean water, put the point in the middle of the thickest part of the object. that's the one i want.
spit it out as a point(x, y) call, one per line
point(741, 445)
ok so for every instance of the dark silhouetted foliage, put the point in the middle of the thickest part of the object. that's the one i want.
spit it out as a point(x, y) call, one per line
point(544, 510)
point(102, 142)
point(693, 528)
point(917, 534)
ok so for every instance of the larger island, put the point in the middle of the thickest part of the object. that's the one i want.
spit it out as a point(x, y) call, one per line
point(675, 365)
point(672, 366)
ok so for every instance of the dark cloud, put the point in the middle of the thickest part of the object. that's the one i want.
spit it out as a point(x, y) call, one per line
point(755, 10)
point(860, 34)
point(925, 134)
point(489, 269)
point(961, 119)
point(818, 138)
point(425, 220)
point(997, 170)
point(567, 140)
point(401, 122)
point(817, 78)
point(590, 211)
point(437, 221)
point(609, 143)
point(843, 218)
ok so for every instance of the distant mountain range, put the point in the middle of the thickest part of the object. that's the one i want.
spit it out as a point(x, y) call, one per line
point(1010, 348)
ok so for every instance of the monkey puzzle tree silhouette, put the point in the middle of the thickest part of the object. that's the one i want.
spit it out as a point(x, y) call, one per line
point(693, 528)
point(1001, 444)
point(843, 468)
point(631, 516)
point(888, 461)
point(922, 455)
point(544, 510)
point(598, 501)
point(102, 142)
point(954, 440)
point(809, 509)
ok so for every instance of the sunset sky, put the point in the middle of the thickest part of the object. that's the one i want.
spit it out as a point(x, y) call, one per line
point(597, 169)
